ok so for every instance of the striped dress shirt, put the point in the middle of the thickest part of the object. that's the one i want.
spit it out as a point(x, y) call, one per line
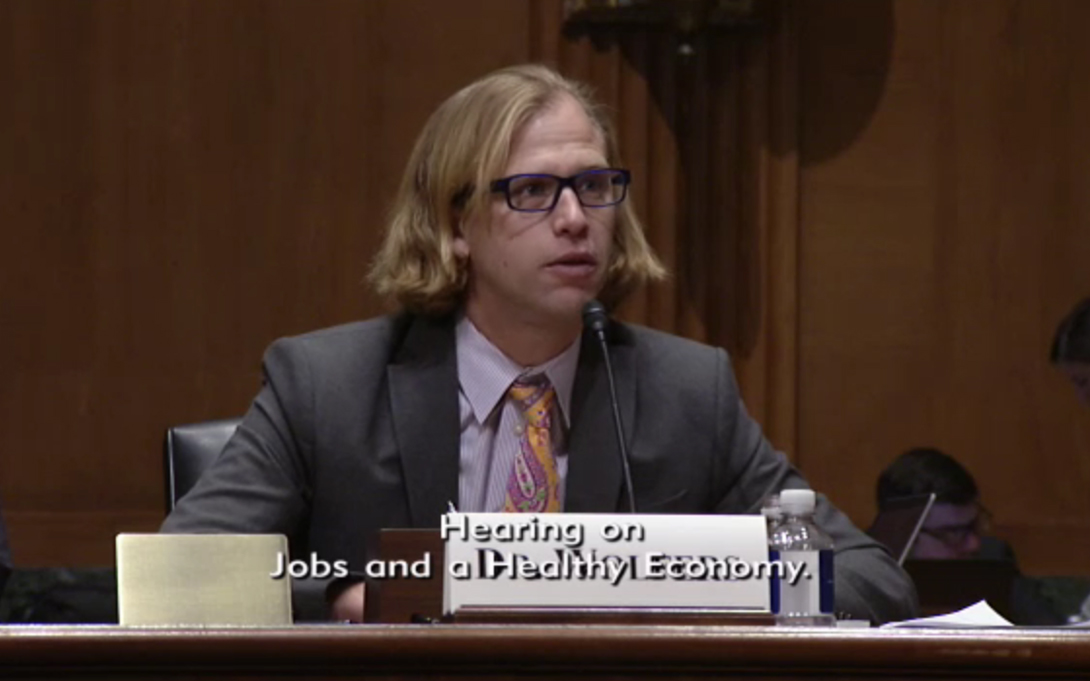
point(492, 425)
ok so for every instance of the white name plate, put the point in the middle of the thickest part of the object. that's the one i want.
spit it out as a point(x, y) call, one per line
point(572, 560)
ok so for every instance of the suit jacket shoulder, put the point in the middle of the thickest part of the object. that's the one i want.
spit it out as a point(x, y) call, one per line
point(674, 364)
point(340, 349)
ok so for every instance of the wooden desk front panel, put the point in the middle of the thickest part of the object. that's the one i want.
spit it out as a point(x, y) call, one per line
point(540, 652)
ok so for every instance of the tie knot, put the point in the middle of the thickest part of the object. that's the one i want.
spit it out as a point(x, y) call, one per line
point(534, 396)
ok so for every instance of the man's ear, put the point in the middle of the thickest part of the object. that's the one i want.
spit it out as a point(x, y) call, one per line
point(461, 244)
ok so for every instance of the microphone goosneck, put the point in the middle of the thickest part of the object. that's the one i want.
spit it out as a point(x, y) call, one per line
point(596, 318)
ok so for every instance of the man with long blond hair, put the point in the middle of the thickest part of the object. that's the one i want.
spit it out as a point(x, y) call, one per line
point(483, 391)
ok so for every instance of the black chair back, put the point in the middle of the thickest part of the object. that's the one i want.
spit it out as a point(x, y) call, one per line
point(189, 450)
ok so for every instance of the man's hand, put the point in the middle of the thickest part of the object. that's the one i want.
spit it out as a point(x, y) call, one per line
point(348, 606)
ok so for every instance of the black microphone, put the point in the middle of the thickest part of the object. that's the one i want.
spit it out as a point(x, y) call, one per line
point(596, 319)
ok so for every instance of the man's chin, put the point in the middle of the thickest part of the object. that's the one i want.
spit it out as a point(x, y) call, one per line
point(570, 303)
point(558, 311)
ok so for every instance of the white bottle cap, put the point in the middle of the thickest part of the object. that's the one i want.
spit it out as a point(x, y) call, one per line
point(797, 501)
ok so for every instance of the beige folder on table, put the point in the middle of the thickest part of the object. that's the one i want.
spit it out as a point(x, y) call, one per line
point(202, 579)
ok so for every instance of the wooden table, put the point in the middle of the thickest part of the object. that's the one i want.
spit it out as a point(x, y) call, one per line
point(566, 652)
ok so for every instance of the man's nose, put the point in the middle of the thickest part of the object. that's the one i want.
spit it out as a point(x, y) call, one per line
point(569, 216)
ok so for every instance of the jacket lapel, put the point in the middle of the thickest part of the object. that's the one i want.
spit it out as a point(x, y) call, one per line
point(594, 483)
point(423, 380)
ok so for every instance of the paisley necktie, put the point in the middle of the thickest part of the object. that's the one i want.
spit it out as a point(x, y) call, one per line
point(534, 484)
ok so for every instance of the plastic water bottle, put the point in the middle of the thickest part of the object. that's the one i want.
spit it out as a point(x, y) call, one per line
point(795, 541)
point(770, 509)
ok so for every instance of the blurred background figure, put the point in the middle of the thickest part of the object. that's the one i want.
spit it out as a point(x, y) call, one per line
point(5, 555)
point(1071, 348)
point(1071, 355)
point(956, 526)
point(957, 529)
point(54, 595)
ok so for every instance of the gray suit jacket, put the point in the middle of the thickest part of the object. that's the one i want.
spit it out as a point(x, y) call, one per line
point(356, 428)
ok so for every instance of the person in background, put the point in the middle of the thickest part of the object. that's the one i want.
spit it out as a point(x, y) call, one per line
point(1071, 355)
point(957, 526)
point(1071, 348)
point(5, 555)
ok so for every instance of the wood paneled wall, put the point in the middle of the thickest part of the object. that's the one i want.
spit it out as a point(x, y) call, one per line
point(183, 182)
point(941, 243)
point(186, 181)
point(876, 205)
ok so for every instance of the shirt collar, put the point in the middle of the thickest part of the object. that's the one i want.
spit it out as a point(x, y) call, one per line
point(485, 373)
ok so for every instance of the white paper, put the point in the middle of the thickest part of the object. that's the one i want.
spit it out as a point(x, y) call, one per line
point(979, 614)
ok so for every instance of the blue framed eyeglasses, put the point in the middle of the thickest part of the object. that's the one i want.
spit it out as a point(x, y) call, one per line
point(539, 193)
